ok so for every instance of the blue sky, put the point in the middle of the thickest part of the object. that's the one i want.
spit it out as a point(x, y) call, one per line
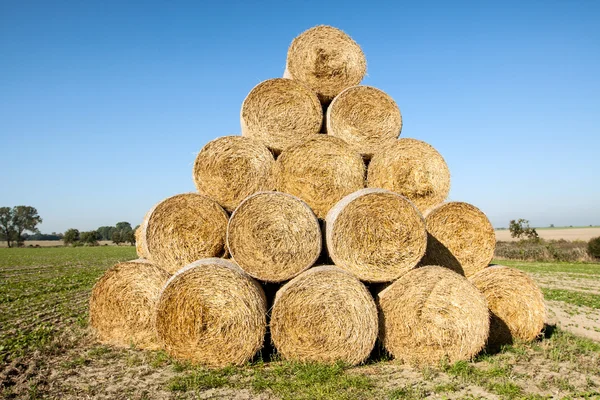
point(103, 105)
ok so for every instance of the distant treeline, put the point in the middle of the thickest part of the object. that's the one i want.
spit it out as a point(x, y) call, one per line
point(43, 236)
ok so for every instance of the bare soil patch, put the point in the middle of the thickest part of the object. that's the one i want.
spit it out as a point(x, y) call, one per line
point(555, 234)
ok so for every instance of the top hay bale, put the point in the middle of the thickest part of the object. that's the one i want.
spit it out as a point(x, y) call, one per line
point(231, 168)
point(365, 117)
point(212, 313)
point(412, 168)
point(327, 60)
point(182, 229)
point(459, 237)
point(375, 234)
point(281, 113)
point(431, 314)
point(123, 301)
point(516, 304)
point(324, 315)
point(320, 171)
point(274, 236)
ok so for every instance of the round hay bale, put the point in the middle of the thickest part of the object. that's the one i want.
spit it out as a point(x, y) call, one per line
point(182, 229)
point(231, 168)
point(212, 313)
point(375, 234)
point(459, 237)
point(365, 117)
point(516, 304)
point(431, 314)
point(281, 113)
point(324, 315)
point(123, 302)
point(412, 168)
point(326, 59)
point(274, 236)
point(320, 171)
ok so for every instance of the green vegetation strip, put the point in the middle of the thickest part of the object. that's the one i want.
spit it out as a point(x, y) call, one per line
point(571, 297)
point(548, 268)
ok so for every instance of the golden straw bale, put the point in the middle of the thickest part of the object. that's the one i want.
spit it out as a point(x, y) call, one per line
point(365, 117)
point(432, 314)
point(274, 236)
point(281, 113)
point(139, 245)
point(516, 304)
point(231, 168)
point(326, 59)
point(412, 168)
point(212, 313)
point(123, 301)
point(182, 229)
point(459, 237)
point(324, 315)
point(375, 234)
point(320, 171)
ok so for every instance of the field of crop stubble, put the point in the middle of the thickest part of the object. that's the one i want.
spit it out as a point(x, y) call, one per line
point(47, 350)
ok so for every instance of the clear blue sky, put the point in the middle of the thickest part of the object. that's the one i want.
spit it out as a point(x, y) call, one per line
point(103, 105)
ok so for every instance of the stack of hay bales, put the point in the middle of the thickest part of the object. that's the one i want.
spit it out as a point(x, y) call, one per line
point(319, 229)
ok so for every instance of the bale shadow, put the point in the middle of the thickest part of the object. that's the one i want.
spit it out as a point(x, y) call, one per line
point(268, 352)
point(438, 254)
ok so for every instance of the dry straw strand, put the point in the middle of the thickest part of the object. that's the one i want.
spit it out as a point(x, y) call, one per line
point(212, 313)
point(375, 234)
point(459, 237)
point(432, 314)
point(320, 171)
point(274, 236)
point(365, 117)
point(324, 315)
point(327, 60)
point(516, 304)
point(139, 244)
point(182, 229)
point(281, 113)
point(122, 304)
point(231, 168)
point(412, 168)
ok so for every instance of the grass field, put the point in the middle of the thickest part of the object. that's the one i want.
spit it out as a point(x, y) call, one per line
point(48, 351)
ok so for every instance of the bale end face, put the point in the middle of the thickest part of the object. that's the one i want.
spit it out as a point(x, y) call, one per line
point(432, 314)
point(212, 313)
point(324, 315)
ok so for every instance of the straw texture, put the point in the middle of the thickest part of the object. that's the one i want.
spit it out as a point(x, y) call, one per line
point(212, 313)
point(182, 229)
point(122, 304)
point(412, 168)
point(231, 168)
point(365, 117)
point(274, 236)
point(320, 171)
point(432, 314)
point(327, 60)
point(324, 315)
point(375, 234)
point(281, 113)
point(516, 304)
point(139, 245)
point(460, 237)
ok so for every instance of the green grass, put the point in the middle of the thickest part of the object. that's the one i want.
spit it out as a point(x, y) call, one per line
point(45, 290)
point(553, 267)
point(576, 298)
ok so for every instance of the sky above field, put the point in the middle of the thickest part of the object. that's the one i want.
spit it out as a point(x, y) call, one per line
point(104, 105)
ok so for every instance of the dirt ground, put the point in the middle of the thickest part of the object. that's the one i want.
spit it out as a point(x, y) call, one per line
point(555, 234)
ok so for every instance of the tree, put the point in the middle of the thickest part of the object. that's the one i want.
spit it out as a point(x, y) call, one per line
point(521, 228)
point(90, 238)
point(130, 237)
point(117, 238)
point(71, 236)
point(106, 232)
point(15, 221)
point(123, 226)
